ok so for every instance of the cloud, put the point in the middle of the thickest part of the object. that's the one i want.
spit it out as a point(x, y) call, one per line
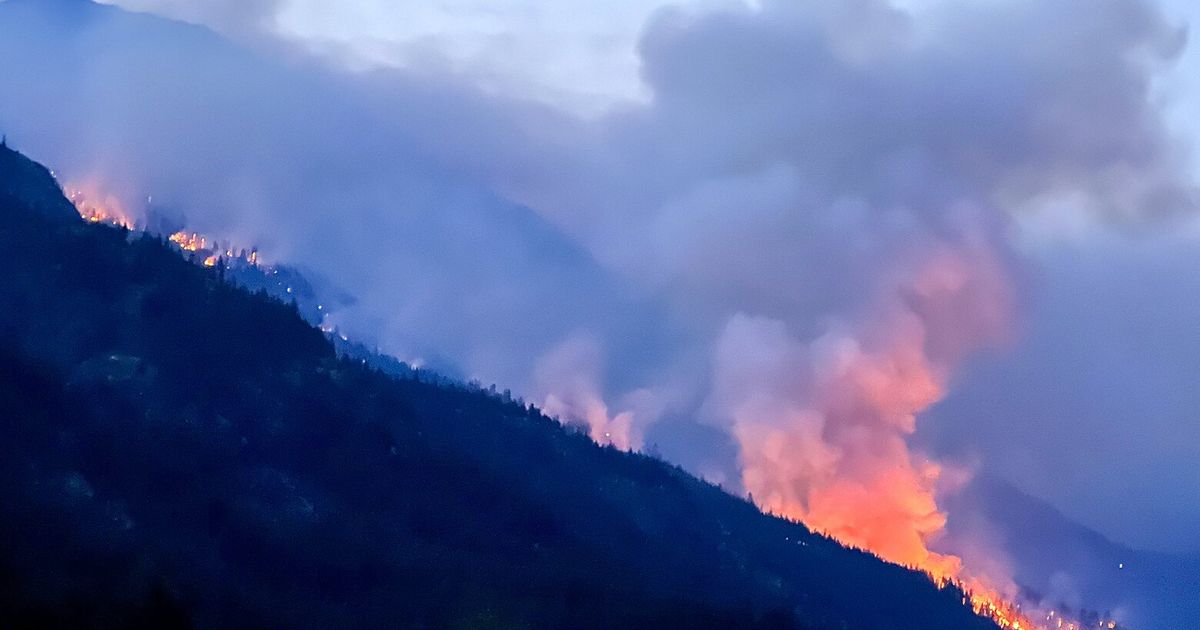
point(231, 16)
point(347, 175)
point(529, 48)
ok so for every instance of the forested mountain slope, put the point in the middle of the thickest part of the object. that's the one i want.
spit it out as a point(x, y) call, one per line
point(178, 452)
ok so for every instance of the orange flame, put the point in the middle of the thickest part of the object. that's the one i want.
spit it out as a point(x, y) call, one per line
point(97, 208)
point(191, 242)
point(823, 427)
point(837, 457)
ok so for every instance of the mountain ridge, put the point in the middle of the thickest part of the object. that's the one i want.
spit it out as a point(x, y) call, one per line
point(185, 450)
point(1069, 565)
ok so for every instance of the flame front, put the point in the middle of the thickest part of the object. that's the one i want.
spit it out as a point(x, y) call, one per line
point(825, 444)
point(823, 427)
point(98, 208)
point(191, 242)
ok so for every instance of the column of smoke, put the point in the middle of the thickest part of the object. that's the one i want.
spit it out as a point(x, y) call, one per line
point(823, 425)
point(569, 377)
point(758, 115)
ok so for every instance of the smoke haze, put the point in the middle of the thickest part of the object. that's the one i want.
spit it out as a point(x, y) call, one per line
point(856, 239)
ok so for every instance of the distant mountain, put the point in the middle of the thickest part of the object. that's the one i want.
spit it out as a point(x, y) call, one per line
point(1072, 566)
point(181, 452)
point(146, 106)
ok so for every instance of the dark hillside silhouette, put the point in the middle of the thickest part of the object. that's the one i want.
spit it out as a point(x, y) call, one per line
point(178, 451)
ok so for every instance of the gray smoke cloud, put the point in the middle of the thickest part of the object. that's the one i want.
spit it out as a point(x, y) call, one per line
point(242, 17)
point(791, 177)
point(344, 174)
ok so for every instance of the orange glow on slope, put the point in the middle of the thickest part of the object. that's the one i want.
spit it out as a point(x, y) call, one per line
point(191, 242)
point(209, 252)
point(829, 447)
point(603, 428)
point(97, 208)
point(837, 458)
point(834, 454)
point(823, 427)
point(569, 376)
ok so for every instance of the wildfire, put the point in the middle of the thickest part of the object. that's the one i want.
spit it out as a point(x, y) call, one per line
point(210, 251)
point(988, 603)
point(823, 426)
point(107, 210)
point(570, 377)
point(1009, 616)
point(836, 457)
point(191, 242)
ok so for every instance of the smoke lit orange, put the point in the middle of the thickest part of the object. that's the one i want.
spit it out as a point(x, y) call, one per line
point(97, 208)
point(823, 427)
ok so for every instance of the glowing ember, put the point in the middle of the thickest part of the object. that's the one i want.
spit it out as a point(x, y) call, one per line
point(109, 211)
point(192, 242)
point(96, 208)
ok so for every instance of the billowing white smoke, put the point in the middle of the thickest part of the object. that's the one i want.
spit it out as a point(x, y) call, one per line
point(570, 381)
point(823, 424)
point(569, 384)
point(779, 234)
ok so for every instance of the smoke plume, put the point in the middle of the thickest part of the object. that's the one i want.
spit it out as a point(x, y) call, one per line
point(799, 238)
point(823, 425)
